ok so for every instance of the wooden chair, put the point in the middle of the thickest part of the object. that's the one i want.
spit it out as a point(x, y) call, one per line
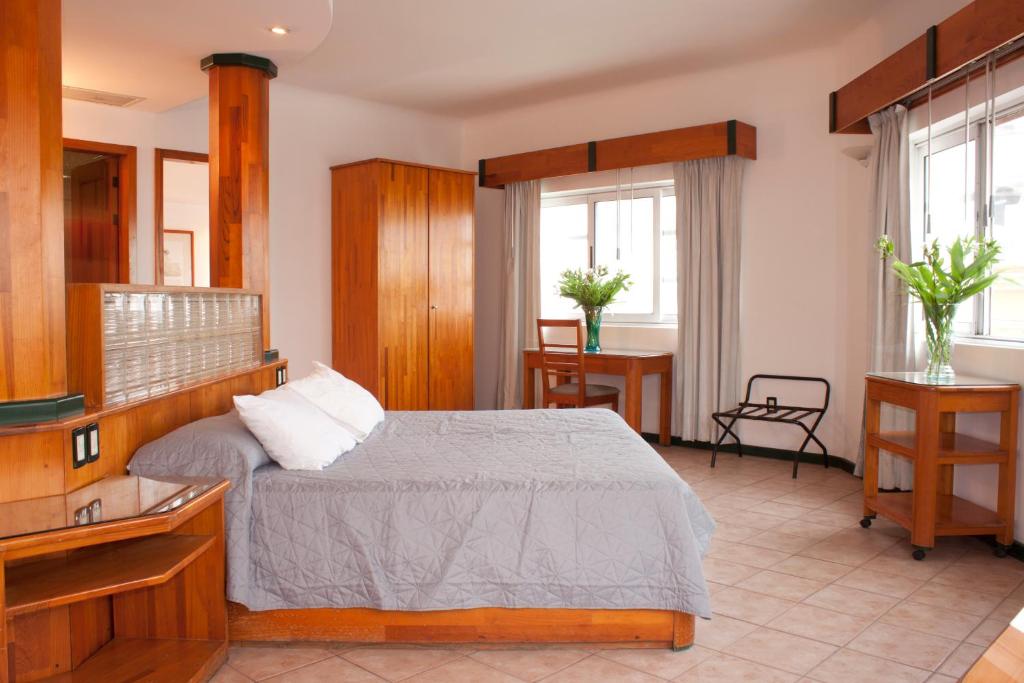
point(564, 364)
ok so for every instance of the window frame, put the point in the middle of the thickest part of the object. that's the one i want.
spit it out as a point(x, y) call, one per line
point(590, 197)
point(977, 130)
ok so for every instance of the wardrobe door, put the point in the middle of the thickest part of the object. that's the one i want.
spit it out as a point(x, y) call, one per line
point(451, 290)
point(402, 286)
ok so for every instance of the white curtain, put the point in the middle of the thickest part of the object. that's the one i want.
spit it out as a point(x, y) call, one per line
point(891, 342)
point(708, 263)
point(520, 284)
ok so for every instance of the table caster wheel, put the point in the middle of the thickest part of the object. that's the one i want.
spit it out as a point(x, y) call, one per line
point(918, 554)
point(1001, 550)
point(866, 522)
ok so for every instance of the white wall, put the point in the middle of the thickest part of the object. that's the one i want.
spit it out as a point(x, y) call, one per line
point(309, 132)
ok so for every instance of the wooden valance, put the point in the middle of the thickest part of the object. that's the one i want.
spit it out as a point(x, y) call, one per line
point(681, 144)
point(975, 31)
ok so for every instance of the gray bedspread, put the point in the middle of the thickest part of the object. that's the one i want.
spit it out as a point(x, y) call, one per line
point(541, 508)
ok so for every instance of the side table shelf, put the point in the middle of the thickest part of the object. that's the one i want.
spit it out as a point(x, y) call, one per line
point(140, 597)
point(935, 447)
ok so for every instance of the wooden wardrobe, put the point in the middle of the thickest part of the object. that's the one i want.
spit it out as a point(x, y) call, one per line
point(402, 282)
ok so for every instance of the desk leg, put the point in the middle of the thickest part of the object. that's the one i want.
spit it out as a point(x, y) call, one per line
point(528, 388)
point(926, 471)
point(1008, 471)
point(634, 394)
point(947, 425)
point(872, 424)
point(665, 409)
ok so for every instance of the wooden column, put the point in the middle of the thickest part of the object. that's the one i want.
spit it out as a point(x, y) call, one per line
point(33, 382)
point(239, 174)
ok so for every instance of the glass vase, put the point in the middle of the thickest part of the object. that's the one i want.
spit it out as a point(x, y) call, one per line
point(938, 325)
point(592, 314)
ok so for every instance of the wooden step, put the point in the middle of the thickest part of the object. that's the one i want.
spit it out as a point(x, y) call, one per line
point(152, 661)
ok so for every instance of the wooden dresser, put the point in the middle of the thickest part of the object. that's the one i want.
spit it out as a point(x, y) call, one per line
point(121, 580)
point(402, 282)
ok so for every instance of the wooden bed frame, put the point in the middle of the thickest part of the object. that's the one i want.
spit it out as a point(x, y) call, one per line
point(625, 628)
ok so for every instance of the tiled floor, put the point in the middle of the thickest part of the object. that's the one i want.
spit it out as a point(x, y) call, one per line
point(800, 593)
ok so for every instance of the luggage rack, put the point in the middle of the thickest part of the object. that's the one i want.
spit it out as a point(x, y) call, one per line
point(807, 418)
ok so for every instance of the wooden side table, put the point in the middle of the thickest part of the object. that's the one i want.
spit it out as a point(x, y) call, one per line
point(935, 446)
point(122, 580)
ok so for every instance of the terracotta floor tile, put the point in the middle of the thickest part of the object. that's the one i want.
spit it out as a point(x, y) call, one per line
point(228, 675)
point(931, 619)
point(777, 509)
point(530, 665)
point(958, 663)
point(724, 571)
point(781, 650)
point(850, 666)
point(998, 578)
point(394, 664)
point(747, 554)
point(331, 669)
point(902, 564)
point(597, 668)
point(852, 601)
point(734, 532)
point(725, 669)
point(959, 599)
point(912, 648)
point(810, 568)
point(749, 606)
point(878, 582)
point(463, 670)
point(986, 632)
point(1008, 608)
point(720, 631)
point(660, 662)
point(263, 662)
point(776, 539)
point(786, 586)
point(805, 529)
point(821, 624)
point(754, 519)
point(942, 678)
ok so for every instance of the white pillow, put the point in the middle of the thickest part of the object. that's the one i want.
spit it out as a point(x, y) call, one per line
point(352, 406)
point(292, 430)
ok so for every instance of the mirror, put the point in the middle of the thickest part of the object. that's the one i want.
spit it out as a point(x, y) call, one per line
point(182, 198)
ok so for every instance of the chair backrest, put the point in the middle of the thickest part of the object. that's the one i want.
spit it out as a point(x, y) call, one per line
point(561, 362)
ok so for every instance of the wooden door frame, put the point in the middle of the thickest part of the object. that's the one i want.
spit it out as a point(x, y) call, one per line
point(127, 174)
point(159, 155)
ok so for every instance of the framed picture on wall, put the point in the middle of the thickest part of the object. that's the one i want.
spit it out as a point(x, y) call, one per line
point(179, 257)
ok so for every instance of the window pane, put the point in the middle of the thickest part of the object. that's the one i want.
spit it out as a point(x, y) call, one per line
point(1006, 319)
point(634, 239)
point(563, 245)
point(952, 212)
point(668, 257)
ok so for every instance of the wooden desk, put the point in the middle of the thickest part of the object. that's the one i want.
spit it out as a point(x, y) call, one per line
point(632, 365)
point(931, 509)
point(138, 597)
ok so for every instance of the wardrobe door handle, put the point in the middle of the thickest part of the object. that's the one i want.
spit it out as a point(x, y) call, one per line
point(433, 307)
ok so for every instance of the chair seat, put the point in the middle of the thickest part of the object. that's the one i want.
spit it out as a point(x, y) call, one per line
point(593, 390)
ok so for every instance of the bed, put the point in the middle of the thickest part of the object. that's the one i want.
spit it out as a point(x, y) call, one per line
point(481, 516)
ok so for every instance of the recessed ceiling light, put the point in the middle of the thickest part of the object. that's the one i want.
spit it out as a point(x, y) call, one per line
point(279, 30)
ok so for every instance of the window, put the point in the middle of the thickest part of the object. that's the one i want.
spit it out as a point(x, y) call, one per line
point(959, 167)
point(633, 231)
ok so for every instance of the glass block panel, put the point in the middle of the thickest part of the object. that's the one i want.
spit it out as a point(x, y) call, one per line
point(159, 342)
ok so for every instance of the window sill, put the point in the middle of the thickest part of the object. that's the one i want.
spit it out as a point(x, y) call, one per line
point(653, 326)
point(986, 342)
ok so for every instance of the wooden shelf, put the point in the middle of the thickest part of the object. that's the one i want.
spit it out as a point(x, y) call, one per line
point(954, 449)
point(153, 661)
point(954, 516)
point(91, 574)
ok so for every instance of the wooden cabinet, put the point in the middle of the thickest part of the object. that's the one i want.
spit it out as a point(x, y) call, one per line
point(402, 286)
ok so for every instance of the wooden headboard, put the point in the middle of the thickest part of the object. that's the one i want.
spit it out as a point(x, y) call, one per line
point(36, 460)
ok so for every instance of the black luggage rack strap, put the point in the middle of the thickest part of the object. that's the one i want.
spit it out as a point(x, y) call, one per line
point(807, 418)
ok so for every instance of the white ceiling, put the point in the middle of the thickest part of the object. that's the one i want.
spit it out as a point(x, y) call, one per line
point(457, 57)
point(152, 48)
